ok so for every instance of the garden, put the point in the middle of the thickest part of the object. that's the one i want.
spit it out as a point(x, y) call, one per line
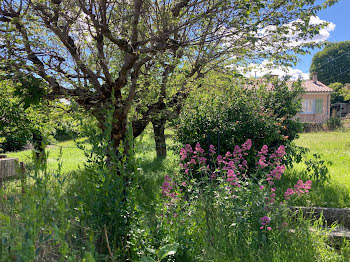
point(133, 135)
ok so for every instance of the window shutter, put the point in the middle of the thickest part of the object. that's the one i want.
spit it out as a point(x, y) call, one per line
point(318, 106)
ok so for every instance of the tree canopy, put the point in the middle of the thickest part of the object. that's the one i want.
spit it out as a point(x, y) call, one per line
point(332, 64)
point(95, 51)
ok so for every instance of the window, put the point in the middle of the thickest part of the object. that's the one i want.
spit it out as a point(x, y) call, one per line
point(312, 106)
point(318, 106)
point(308, 106)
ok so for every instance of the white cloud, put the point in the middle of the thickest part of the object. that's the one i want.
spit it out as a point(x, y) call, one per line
point(259, 70)
point(266, 67)
point(294, 36)
point(324, 32)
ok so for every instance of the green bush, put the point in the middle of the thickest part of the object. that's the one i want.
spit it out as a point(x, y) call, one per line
point(334, 122)
point(235, 113)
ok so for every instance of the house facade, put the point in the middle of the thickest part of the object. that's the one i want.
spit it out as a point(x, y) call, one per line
point(316, 101)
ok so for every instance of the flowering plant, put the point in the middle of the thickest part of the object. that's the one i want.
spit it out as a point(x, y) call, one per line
point(229, 182)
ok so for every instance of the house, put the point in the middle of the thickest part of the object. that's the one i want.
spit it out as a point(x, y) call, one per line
point(316, 101)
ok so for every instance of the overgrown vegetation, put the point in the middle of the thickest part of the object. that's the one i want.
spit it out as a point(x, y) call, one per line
point(231, 112)
point(62, 217)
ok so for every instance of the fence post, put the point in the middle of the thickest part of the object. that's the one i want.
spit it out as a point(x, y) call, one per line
point(23, 177)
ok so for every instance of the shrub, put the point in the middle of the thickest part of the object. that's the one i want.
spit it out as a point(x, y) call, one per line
point(334, 122)
point(34, 224)
point(229, 116)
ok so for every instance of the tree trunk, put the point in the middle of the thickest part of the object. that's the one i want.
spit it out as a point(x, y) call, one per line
point(119, 127)
point(159, 137)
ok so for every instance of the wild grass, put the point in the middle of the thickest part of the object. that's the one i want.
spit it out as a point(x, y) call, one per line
point(190, 228)
point(72, 156)
point(334, 147)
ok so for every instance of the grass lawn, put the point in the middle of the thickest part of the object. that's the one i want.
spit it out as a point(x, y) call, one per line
point(72, 156)
point(333, 146)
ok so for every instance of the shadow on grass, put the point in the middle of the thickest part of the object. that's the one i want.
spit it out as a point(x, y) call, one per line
point(159, 165)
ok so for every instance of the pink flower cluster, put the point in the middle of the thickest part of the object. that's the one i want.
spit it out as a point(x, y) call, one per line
point(274, 159)
point(194, 157)
point(232, 168)
point(167, 187)
point(299, 189)
point(231, 165)
point(265, 220)
point(273, 162)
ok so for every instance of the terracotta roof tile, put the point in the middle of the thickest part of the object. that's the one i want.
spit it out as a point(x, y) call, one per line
point(310, 86)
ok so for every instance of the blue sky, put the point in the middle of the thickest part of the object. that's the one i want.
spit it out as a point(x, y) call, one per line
point(338, 14)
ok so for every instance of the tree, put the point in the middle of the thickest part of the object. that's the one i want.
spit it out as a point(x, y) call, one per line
point(332, 64)
point(23, 118)
point(95, 51)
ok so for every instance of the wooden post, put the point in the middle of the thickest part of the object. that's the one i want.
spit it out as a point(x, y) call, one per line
point(8, 167)
point(23, 177)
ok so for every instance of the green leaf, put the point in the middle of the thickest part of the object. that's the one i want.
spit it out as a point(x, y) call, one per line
point(168, 250)
point(147, 259)
point(152, 251)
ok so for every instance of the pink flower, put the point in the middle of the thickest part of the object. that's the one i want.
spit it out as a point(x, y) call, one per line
point(261, 187)
point(188, 148)
point(261, 162)
point(288, 193)
point(263, 150)
point(219, 159)
point(301, 188)
point(265, 220)
point(202, 160)
point(281, 151)
point(269, 228)
point(199, 149)
point(166, 186)
point(247, 145)
point(183, 154)
point(212, 149)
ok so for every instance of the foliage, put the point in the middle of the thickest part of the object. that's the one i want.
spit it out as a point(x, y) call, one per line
point(34, 224)
point(26, 118)
point(162, 253)
point(334, 122)
point(19, 121)
point(230, 217)
point(233, 113)
point(101, 192)
point(332, 63)
point(341, 92)
point(101, 48)
point(204, 219)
